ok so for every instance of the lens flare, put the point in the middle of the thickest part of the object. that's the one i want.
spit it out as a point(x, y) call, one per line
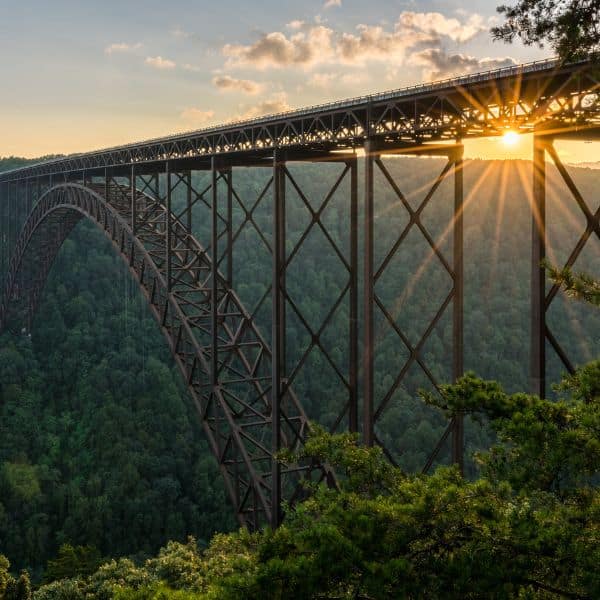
point(510, 138)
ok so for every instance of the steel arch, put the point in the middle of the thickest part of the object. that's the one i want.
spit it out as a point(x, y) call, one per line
point(184, 297)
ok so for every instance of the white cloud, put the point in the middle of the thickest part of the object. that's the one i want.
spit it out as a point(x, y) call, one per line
point(276, 50)
point(295, 24)
point(374, 43)
point(158, 62)
point(121, 47)
point(438, 24)
point(195, 116)
point(438, 64)
point(311, 45)
point(231, 84)
point(332, 3)
point(276, 104)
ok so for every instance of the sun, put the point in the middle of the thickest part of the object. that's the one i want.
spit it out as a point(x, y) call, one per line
point(510, 138)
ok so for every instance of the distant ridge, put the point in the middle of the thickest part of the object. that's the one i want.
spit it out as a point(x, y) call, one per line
point(586, 165)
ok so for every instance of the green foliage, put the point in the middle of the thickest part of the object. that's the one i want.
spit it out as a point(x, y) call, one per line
point(99, 443)
point(546, 445)
point(19, 482)
point(577, 285)
point(4, 574)
point(385, 534)
point(157, 592)
point(570, 27)
point(72, 562)
point(11, 588)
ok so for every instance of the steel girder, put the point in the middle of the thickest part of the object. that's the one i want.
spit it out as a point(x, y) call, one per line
point(541, 298)
point(223, 358)
point(373, 273)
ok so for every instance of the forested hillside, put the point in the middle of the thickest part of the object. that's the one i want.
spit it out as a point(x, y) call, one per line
point(99, 444)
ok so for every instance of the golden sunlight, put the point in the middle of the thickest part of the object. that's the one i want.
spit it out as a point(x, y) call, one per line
point(510, 138)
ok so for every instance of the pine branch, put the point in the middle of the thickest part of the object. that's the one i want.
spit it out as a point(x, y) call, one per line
point(576, 285)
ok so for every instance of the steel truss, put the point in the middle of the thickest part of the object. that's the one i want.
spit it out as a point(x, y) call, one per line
point(223, 358)
point(373, 273)
point(543, 95)
point(541, 300)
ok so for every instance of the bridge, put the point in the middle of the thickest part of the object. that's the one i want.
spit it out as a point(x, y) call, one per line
point(146, 199)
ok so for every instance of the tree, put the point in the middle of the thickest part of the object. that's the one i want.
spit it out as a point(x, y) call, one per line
point(14, 589)
point(570, 27)
point(72, 561)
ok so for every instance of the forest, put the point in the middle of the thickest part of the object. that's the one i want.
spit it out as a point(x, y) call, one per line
point(102, 456)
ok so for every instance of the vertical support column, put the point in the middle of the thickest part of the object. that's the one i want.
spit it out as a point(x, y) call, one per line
point(214, 341)
point(23, 203)
point(188, 200)
point(168, 242)
point(278, 330)
point(538, 281)
point(369, 299)
point(27, 199)
point(156, 177)
point(106, 185)
point(214, 241)
point(3, 204)
point(229, 179)
point(353, 366)
point(133, 201)
point(11, 218)
point(458, 302)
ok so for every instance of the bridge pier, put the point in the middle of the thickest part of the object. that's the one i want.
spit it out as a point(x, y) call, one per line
point(458, 303)
point(374, 152)
point(537, 354)
point(542, 295)
point(278, 341)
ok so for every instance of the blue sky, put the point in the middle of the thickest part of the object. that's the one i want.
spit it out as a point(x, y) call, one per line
point(79, 75)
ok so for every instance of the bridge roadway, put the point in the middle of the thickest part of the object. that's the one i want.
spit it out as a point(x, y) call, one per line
point(143, 197)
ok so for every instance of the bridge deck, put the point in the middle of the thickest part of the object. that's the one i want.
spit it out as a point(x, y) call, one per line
point(542, 95)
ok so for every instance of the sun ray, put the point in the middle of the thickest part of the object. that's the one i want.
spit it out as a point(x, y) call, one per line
point(418, 274)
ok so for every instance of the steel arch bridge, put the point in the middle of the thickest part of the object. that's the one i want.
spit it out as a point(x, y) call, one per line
point(242, 383)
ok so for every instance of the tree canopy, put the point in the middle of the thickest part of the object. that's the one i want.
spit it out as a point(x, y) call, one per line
point(570, 27)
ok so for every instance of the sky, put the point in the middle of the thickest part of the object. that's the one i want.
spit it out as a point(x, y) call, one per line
point(79, 75)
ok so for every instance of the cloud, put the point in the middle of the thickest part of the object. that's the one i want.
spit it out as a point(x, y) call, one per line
point(276, 50)
point(121, 47)
point(309, 45)
point(276, 104)
point(437, 24)
point(158, 62)
point(374, 43)
point(439, 64)
point(295, 24)
point(332, 3)
point(230, 84)
point(196, 116)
